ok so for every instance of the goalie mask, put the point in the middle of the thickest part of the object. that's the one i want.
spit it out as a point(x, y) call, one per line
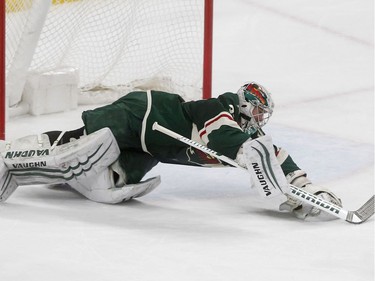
point(256, 107)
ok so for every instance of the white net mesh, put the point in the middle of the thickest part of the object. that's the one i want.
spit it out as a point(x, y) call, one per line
point(116, 45)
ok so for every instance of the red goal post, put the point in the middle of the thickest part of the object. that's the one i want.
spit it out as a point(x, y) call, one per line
point(116, 45)
point(2, 78)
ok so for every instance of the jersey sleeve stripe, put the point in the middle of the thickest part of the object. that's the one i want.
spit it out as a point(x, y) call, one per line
point(215, 123)
point(144, 122)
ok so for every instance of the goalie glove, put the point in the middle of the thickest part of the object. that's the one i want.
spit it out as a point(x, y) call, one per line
point(303, 210)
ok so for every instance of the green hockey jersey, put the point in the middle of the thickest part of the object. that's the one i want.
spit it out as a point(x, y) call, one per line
point(212, 122)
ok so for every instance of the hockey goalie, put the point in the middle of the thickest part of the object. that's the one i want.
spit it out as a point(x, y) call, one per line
point(107, 159)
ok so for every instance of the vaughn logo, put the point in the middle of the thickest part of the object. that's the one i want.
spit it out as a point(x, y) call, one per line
point(315, 200)
point(26, 153)
point(261, 179)
point(30, 165)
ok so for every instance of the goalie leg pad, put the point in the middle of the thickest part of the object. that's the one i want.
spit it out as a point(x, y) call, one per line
point(101, 188)
point(127, 192)
point(32, 160)
point(7, 184)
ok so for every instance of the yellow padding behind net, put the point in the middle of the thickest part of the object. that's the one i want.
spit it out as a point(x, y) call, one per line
point(14, 6)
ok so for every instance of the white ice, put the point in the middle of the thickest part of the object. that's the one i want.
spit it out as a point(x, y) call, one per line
point(317, 58)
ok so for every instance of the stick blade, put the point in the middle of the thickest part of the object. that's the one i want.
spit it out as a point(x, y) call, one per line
point(363, 213)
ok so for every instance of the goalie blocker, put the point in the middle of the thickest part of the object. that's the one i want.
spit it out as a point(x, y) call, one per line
point(89, 165)
point(266, 174)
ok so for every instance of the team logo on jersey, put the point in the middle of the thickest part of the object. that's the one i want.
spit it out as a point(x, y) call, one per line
point(200, 158)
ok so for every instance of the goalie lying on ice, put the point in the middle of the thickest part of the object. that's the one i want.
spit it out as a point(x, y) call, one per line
point(106, 159)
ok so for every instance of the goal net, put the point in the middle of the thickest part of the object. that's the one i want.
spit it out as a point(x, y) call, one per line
point(113, 46)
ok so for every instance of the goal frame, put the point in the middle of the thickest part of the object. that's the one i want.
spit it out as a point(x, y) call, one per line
point(2, 75)
point(206, 71)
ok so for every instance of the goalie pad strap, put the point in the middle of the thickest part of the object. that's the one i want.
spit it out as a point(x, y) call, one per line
point(281, 155)
point(298, 178)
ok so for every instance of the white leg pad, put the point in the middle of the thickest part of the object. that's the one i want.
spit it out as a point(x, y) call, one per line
point(31, 160)
point(7, 184)
point(115, 195)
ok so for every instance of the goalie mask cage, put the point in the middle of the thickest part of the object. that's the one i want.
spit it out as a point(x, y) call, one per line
point(115, 45)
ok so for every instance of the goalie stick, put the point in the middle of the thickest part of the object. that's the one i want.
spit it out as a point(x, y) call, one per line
point(356, 217)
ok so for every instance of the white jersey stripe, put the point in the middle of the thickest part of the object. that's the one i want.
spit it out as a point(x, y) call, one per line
point(224, 118)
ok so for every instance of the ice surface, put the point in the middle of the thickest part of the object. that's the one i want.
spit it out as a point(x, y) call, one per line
point(317, 58)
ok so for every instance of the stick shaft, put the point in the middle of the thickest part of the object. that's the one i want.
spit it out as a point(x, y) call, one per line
point(197, 145)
